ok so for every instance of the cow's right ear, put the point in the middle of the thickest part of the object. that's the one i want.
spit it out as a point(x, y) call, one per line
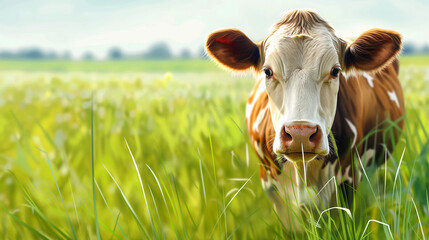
point(373, 50)
point(233, 49)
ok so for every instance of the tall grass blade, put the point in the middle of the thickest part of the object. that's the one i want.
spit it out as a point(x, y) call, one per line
point(202, 178)
point(422, 126)
point(226, 207)
point(159, 186)
point(418, 217)
point(379, 222)
point(48, 137)
point(74, 204)
point(59, 191)
point(157, 212)
point(333, 178)
point(397, 171)
point(128, 204)
point(385, 176)
point(180, 207)
point(110, 210)
point(212, 154)
point(36, 209)
point(144, 194)
point(247, 156)
point(241, 223)
point(236, 124)
point(116, 223)
point(303, 164)
point(97, 228)
point(39, 234)
point(369, 182)
point(329, 209)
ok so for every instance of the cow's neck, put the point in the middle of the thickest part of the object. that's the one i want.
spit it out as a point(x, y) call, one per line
point(307, 184)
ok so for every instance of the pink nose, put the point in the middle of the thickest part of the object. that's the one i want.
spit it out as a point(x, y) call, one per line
point(296, 138)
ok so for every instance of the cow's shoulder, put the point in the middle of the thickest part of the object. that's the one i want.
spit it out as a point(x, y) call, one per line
point(367, 101)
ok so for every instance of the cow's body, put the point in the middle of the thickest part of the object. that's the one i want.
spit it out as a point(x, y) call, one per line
point(366, 102)
point(306, 119)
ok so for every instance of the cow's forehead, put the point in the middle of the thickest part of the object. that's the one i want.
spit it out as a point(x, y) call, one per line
point(320, 33)
point(317, 49)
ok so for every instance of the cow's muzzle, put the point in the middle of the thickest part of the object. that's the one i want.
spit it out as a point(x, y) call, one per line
point(301, 141)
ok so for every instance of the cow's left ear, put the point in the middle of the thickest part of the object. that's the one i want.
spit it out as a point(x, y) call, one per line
point(372, 50)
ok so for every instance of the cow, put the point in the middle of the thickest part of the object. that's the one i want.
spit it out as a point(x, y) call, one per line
point(320, 104)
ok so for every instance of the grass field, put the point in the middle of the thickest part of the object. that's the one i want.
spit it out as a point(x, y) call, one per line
point(159, 150)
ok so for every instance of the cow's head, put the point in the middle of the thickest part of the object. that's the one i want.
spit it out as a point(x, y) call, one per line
point(301, 62)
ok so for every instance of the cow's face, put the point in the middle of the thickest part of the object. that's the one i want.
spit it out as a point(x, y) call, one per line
point(301, 74)
point(300, 63)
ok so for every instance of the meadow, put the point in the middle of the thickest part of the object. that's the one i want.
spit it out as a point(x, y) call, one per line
point(159, 150)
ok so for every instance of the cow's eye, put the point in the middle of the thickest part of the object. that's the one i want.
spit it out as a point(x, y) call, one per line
point(335, 71)
point(268, 72)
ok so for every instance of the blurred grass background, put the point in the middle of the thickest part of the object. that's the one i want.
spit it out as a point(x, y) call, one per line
point(184, 123)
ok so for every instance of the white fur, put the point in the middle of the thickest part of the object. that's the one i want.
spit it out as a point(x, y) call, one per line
point(259, 119)
point(369, 153)
point(346, 176)
point(258, 149)
point(259, 91)
point(354, 131)
point(393, 97)
point(369, 79)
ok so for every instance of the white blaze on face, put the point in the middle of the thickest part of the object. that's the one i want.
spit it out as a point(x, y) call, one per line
point(302, 89)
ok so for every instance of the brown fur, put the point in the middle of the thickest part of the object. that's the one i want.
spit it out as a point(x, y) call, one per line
point(371, 49)
point(233, 49)
point(369, 109)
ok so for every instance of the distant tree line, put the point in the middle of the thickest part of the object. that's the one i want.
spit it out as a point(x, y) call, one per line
point(409, 48)
point(158, 51)
point(34, 54)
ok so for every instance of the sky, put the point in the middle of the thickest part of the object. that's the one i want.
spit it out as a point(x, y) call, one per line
point(79, 26)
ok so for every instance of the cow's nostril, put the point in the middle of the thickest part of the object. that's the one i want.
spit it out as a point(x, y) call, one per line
point(286, 135)
point(314, 134)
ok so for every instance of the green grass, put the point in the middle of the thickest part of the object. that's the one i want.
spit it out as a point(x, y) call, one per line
point(109, 66)
point(170, 157)
point(414, 60)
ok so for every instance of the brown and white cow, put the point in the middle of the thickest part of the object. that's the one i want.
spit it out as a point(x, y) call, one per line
point(313, 87)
